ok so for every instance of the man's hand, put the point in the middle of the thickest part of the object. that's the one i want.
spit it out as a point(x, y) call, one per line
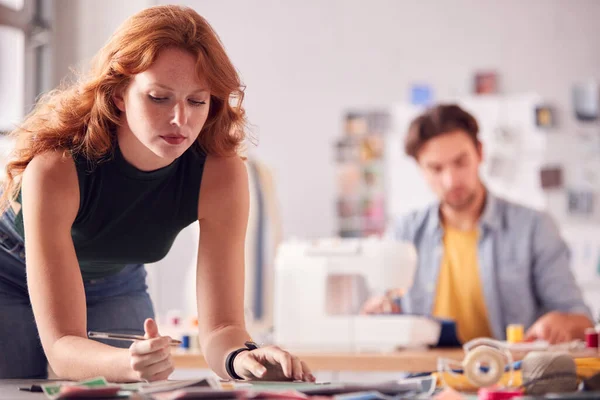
point(383, 304)
point(557, 327)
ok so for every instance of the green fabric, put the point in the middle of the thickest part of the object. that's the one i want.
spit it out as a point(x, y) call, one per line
point(128, 216)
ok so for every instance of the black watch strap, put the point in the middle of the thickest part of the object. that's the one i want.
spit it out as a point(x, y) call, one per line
point(231, 358)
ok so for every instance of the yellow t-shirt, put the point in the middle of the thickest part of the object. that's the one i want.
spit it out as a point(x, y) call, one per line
point(459, 291)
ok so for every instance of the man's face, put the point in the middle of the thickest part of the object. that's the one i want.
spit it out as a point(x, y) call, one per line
point(450, 164)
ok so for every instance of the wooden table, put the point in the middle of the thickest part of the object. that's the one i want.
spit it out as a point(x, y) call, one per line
point(412, 361)
point(406, 360)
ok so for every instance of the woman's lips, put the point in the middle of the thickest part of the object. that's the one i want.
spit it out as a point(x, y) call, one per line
point(173, 139)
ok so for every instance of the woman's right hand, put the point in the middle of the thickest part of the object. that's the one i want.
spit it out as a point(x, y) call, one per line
point(151, 359)
point(381, 305)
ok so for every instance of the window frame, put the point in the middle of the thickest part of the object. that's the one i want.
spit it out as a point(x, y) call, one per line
point(33, 19)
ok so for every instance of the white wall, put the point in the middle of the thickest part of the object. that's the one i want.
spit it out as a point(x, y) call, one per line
point(82, 27)
point(305, 61)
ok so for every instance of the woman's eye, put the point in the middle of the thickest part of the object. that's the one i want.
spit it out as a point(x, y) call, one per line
point(157, 99)
point(197, 103)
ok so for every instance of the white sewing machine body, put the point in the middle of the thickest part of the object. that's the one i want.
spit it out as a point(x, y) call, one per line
point(321, 285)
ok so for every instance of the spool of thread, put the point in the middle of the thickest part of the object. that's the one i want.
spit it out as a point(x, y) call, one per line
point(591, 338)
point(185, 342)
point(194, 343)
point(487, 356)
point(549, 372)
point(514, 333)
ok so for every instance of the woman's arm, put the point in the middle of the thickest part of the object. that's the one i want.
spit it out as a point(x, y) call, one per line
point(50, 203)
point(223, 214)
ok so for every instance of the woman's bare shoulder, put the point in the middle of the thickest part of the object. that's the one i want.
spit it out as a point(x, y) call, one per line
point(224, 184)
point(52, 176)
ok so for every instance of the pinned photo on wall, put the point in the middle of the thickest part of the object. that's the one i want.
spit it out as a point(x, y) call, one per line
point(356, 124)
point(373, 177)
point(586, 101)
point(372, 148)
point(378, 122)
point(348, 207)
point(347, 150)
point(545, 117)
point(501, 168)
point(580, 202)
point(551, 177)
point(590, 174)
point(373, 212)
point(485, 82)
point(348, 179)
point(504, 136)
point(421, 95)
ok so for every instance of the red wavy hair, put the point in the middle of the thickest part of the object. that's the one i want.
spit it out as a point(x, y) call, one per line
point(80, 118)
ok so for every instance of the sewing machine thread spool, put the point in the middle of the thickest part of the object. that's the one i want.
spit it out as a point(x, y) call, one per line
point(514, 333)
point(185, 342)
point(591, 338)
point(194, 343)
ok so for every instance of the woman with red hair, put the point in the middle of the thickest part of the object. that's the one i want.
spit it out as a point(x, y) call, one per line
point(106, 172)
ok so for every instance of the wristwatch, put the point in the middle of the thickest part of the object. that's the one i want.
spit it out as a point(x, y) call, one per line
point(231, 358)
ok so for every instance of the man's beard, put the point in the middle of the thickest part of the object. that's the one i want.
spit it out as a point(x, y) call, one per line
point(462, 204)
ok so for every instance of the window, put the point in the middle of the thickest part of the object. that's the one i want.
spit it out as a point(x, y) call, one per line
point(12, 4)
point(24, 57)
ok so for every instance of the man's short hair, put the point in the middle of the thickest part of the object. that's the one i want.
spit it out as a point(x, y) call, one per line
point(436, 121)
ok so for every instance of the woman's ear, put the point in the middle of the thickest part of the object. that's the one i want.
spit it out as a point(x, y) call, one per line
point(118, 98)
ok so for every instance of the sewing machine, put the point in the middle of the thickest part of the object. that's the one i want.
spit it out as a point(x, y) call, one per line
point(320, 287)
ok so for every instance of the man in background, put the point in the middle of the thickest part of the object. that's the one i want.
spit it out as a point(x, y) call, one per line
point(483, 261)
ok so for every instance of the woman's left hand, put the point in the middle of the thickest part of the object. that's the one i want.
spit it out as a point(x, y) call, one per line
point(271, 364)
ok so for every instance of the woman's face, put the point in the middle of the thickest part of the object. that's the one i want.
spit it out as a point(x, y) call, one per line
point(163, 110)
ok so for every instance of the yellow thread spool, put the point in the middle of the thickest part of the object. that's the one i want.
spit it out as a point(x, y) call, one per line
point(514, 333)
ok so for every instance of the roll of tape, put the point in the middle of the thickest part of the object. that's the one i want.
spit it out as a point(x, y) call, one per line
point(484, 366)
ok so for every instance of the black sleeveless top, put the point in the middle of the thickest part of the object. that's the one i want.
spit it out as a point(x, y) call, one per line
point(128, 216)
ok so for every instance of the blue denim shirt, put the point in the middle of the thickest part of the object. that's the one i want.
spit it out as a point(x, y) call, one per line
point(523, 263)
